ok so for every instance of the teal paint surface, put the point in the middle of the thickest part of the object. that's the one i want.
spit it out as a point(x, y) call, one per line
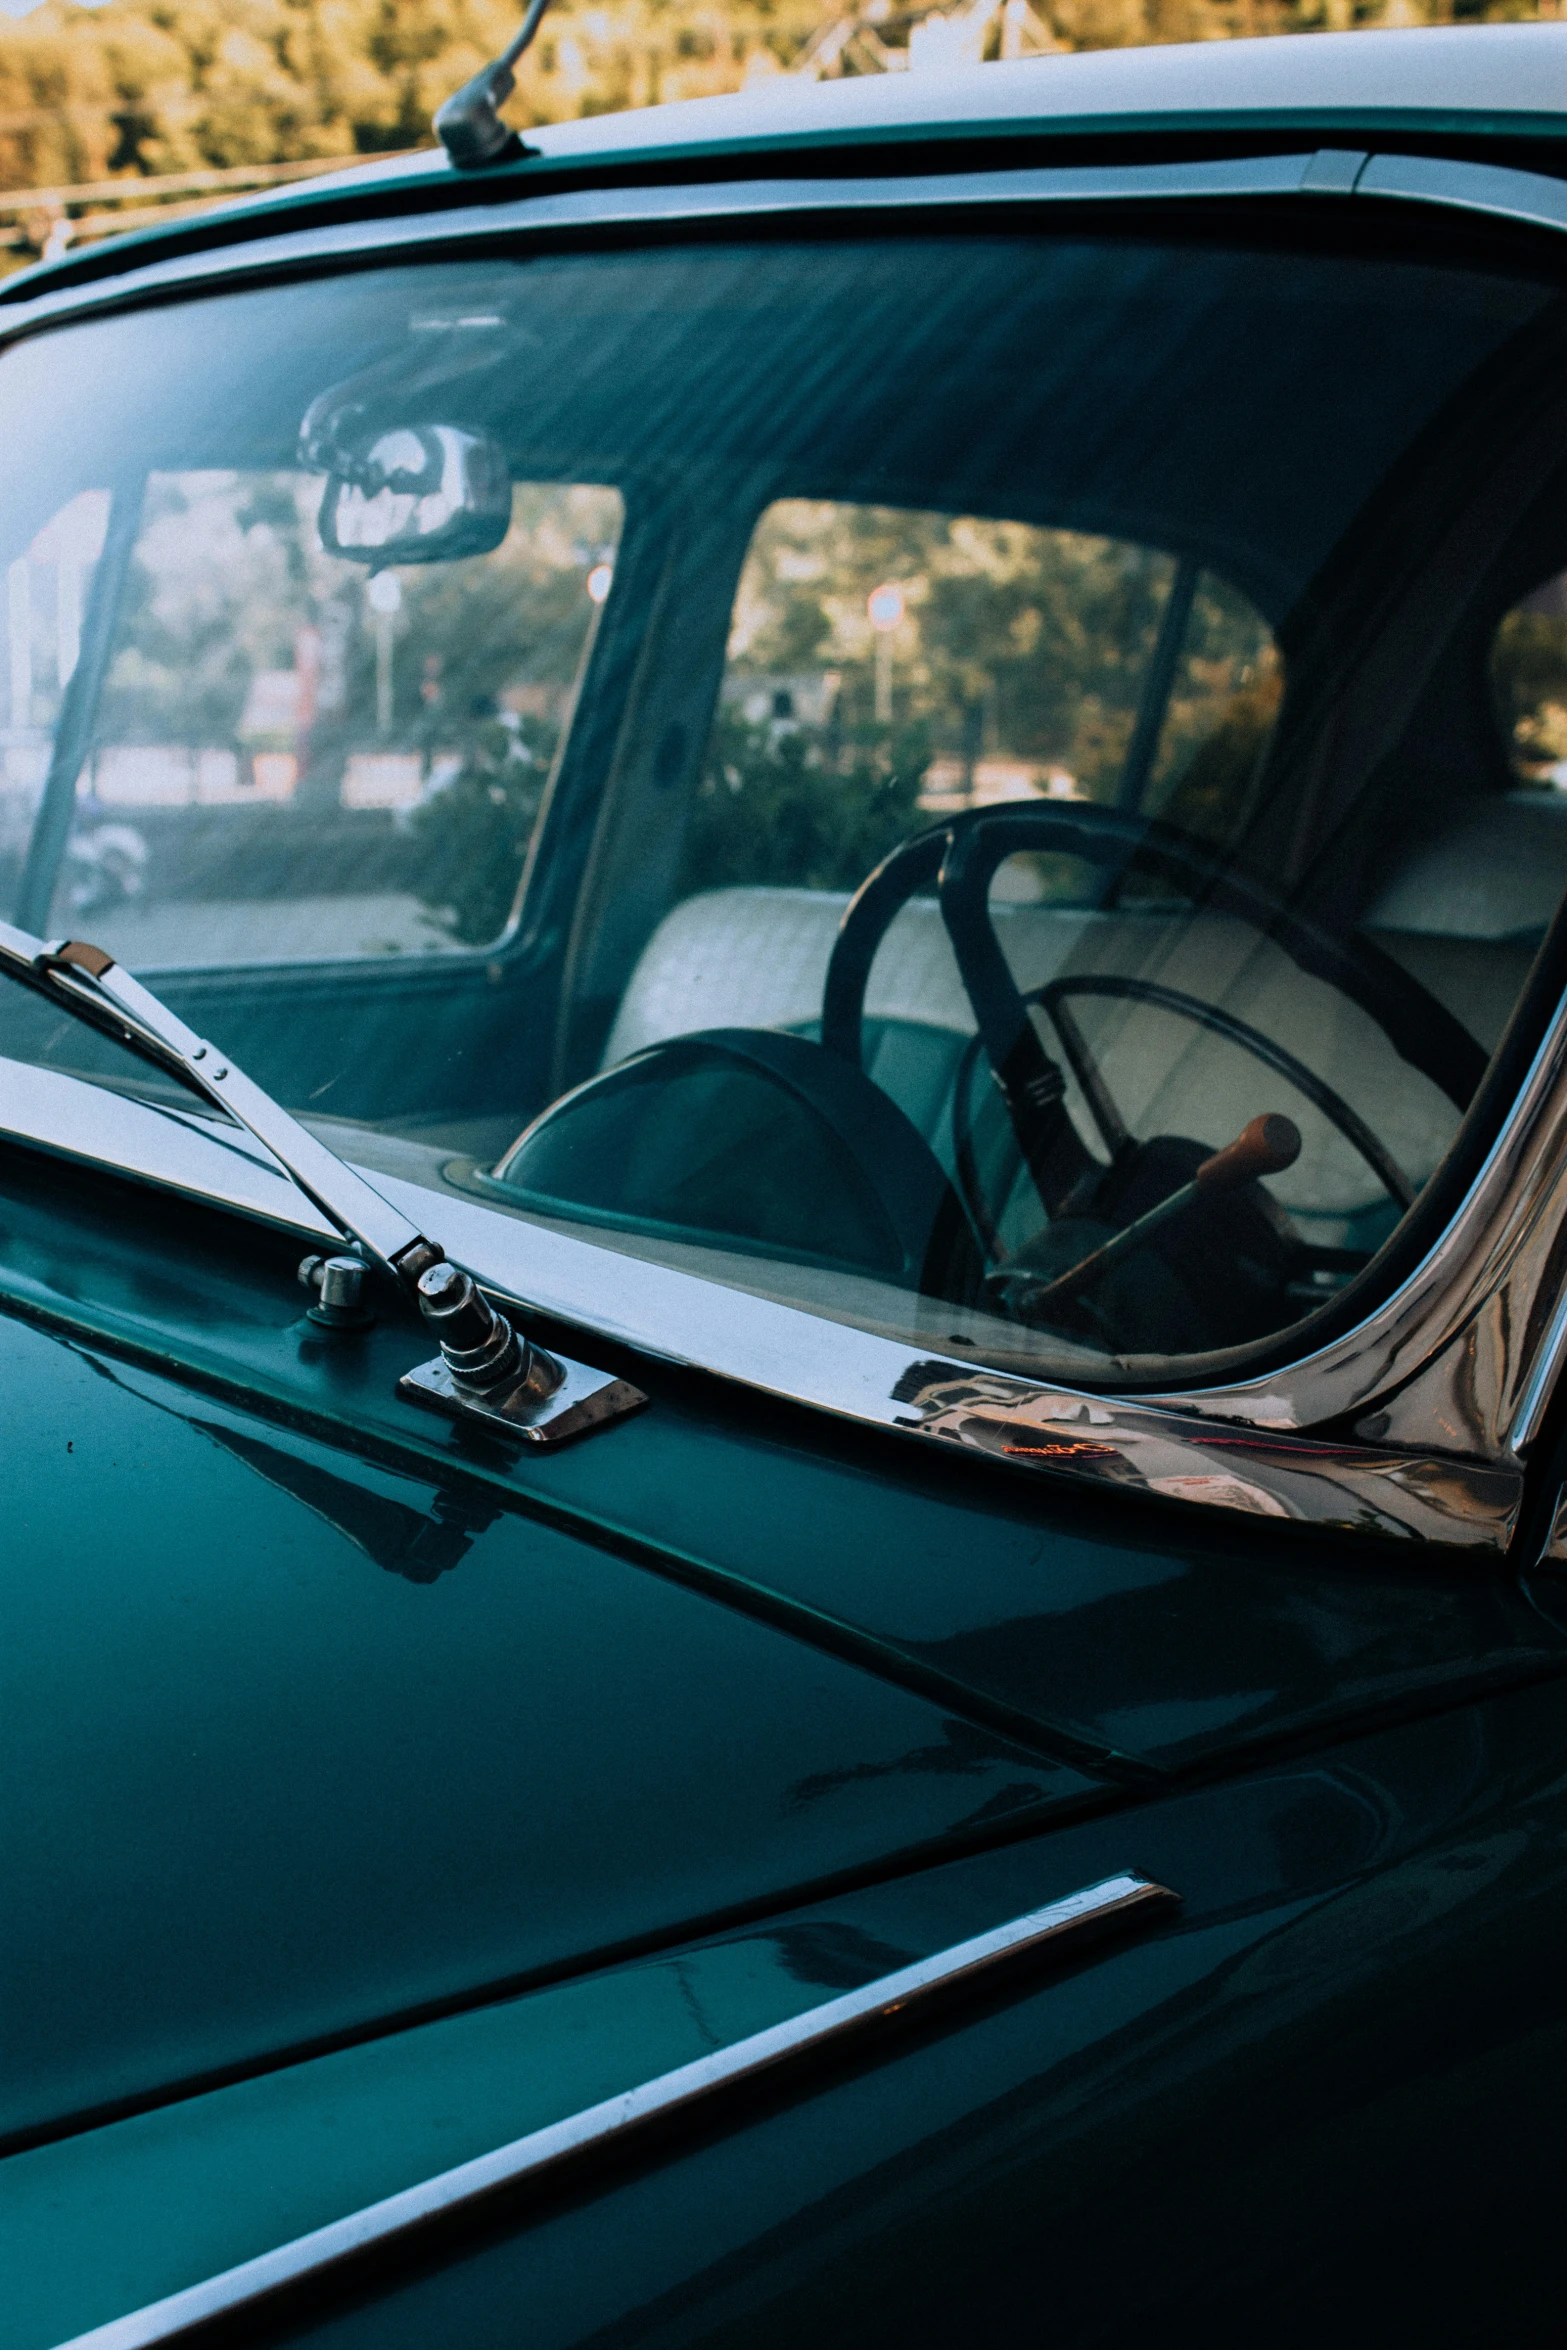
point(1353, 2026)
point(1106, 1628)
point(108, 2219)
point(322, 1718)
point(1322, 2106)
point(297, 1746)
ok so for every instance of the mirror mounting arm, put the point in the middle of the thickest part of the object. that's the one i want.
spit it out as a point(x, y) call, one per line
point(469, 125)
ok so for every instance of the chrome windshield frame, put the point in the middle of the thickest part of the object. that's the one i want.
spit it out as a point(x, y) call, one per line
point(1441, 1388)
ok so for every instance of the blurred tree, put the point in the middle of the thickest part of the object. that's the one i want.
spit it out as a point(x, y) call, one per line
point(1014, 640)
point(771, 809)
point(151, 86)
point(473, 836)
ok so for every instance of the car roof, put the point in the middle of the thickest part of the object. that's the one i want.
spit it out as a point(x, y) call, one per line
point(1465, 71)
point(1441, 85)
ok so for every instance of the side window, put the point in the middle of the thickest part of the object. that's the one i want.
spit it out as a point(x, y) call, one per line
point(1529, 680)
point(1472, 883)
point(294, 757)
point(47, 588)
point(887, 668)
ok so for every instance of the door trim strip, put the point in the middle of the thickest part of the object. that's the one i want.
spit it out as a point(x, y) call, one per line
point(1096, 1909)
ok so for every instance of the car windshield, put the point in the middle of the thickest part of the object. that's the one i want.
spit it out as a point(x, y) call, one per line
point(855, 765)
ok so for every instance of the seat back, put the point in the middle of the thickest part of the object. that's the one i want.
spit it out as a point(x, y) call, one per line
point(758, 957)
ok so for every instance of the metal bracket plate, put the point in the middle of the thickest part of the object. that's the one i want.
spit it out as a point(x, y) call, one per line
point(581, 1400)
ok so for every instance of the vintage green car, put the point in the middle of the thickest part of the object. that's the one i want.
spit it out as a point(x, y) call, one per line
point(865, 791)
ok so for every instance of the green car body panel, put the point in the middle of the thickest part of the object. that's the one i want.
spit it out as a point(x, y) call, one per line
point(376, 1795)
point(387, 1796)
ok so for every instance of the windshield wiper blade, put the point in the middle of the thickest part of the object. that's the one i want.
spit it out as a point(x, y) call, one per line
point(486, 1367)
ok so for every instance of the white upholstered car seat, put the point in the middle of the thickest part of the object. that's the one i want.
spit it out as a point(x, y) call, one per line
point(1463, 914)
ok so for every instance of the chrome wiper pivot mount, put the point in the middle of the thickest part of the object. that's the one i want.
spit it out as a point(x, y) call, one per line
point(486, 1369)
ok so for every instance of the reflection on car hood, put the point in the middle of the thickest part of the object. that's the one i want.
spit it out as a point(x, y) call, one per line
point(296, 1746)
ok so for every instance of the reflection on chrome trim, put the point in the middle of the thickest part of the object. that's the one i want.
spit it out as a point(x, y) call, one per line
point(1096, 1910)
point(1356, 1487)
point(1187, 1449)
point(1463, 1354)
point(1553, 1551)
point(176, 1149)
point(1415, 1469)
point(1197, 1449)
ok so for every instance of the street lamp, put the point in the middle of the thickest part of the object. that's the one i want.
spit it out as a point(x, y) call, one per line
point(884, 610)
point(386, 596)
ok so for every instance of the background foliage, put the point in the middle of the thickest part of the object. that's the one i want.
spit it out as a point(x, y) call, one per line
point(1019, 647)
point(156, 86)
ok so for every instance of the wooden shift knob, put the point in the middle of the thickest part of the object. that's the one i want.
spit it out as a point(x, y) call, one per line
point(1266, 1147)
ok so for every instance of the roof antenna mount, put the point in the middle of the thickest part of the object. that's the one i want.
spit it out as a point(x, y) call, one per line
point(469, 125)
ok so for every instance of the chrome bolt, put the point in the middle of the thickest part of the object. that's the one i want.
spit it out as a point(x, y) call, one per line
point(339, 1284)
point(479, 1346)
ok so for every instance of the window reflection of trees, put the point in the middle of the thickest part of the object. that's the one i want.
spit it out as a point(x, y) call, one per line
point(1017, 669)
point(360, 733)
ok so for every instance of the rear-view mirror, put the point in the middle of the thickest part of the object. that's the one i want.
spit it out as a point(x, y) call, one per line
point(417, 493)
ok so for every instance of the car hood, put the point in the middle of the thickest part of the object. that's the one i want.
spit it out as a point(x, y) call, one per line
point(307, 1735)
point(298, 1747)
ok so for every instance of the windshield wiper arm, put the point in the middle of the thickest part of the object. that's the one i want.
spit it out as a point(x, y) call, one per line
point(91, 985)
point(486, 1366)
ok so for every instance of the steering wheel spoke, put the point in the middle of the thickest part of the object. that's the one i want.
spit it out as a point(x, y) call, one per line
point(1314, 1089)
point(1090, 1078)
point(1031, 1084)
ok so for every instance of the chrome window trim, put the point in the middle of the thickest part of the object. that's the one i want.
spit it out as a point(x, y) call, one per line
point(1125, 1899)
point(1183, 1448)
point(1530, 198)
point(1444, 1385)
point(171, 1149)
point(544, 214)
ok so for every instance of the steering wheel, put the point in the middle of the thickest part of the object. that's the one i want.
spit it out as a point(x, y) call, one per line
point(960, 858)
point(1051, 999)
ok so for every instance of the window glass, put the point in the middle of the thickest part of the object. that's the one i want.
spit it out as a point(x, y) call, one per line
point(1529, 675)
point(293, 757)
point(858, 766)
point(47, 586)
point(887, 671)
point(887, 667)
